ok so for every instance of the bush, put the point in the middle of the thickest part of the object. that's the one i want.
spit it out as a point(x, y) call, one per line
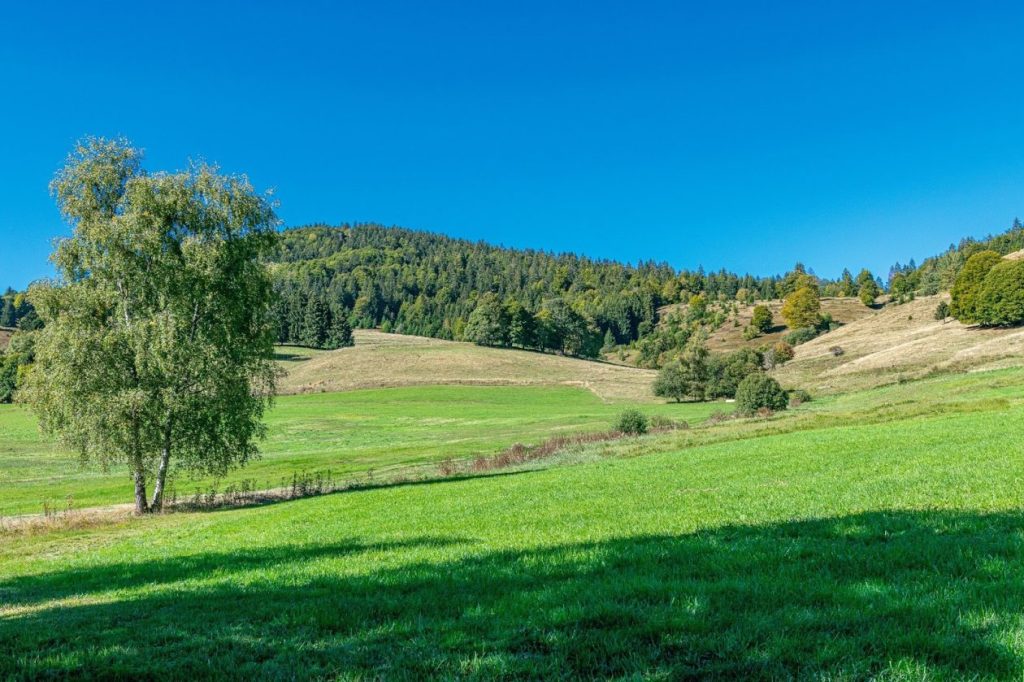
point(632, 423)
point(663, 423)
point(725, 372)
point(798, 397)
point(836, 350)
point(802, 335)
point(942, 311)
point(783, 352)
point(762, 320)
point(760, 391)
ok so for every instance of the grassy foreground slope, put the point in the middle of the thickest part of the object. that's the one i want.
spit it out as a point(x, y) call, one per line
point(885, 549)
point(380, 359)
point(348, 434)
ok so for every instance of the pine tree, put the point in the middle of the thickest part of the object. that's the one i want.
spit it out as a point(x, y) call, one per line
point(315, 323)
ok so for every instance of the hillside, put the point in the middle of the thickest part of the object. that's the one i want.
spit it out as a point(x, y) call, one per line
point(899, 342)
point(387, 360)
point(5, 336)
point(729, 336)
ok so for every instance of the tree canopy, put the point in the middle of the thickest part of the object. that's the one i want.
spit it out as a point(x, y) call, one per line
point(966, 292)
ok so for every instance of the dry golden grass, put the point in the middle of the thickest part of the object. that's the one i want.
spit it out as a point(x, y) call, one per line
point(5, 336)
point(729, 337)
point(387, 360)
point(899, 342)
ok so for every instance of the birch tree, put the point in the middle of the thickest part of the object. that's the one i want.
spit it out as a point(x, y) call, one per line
point(157, 349)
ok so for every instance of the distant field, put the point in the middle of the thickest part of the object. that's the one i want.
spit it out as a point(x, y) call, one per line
point(380, 359)
point(347, 433)
point(875, 535)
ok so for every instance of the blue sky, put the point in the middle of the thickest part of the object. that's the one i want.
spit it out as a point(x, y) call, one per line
point(744, 135)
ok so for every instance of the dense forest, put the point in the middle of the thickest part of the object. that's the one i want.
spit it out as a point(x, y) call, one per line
point(330, 279)
point(413, 282)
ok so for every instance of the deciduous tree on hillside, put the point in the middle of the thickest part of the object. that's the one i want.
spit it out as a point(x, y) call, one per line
point(157, 350)
point(762, 319)
point(1002, 294)
point(965, 303)
point(802, 308)
point(868, 289)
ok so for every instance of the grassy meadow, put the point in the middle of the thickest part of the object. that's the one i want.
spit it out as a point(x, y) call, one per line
point(875, 535)
point(351, 434)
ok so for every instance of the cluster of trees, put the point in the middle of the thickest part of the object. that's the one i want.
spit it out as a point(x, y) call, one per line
point(307, 318)
point(414, 282)
point(988, 290)
point(939, 273)
point(696, 374)
point(556, 327)
point(17, 312)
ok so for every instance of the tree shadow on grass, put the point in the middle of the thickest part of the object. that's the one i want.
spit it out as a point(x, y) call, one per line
point(893, 594)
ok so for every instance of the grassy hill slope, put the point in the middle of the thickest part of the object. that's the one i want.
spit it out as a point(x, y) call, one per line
point(729, 336)
point(380, 359)
point(888, 550)
point(5, 336)
point(899, 343)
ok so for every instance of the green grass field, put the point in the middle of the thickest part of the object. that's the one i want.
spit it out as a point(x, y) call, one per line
point(878, 535)
point(347, 433)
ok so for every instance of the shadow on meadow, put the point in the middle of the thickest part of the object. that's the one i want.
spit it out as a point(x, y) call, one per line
point(899, 594)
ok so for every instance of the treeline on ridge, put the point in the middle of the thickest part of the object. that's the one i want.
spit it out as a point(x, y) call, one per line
point(426, 284)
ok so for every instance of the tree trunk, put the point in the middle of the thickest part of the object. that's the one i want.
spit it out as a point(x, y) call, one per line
point(161, 474)
point(140, 490)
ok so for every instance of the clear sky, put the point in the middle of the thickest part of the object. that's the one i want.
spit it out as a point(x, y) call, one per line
point(744, 135)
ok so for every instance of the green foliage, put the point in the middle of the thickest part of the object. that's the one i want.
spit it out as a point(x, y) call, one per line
point(802, 335)
point(966, 303)
point(942, 311)
point(632, 422)
point(901, 288)
point(339, 335)
point(1001, 299)
point(762, 319)
point(15, 363)
point(488, 324)
point(726, 371)
point(802, 308)
point(939, 273)
point(522, 325)
point(673, 382)
point(798, 397)
point(867, 288)
point(847, 285)
point(157, 340)
point(759, 391)
point(422, 283)
point(781, 353)
point(17, 312)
